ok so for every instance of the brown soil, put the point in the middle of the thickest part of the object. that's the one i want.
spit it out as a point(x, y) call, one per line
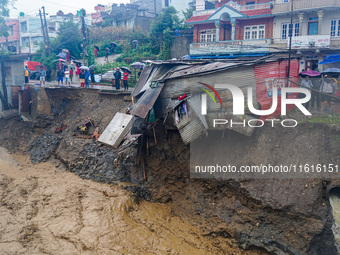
point(46, 211)
point(289, 216)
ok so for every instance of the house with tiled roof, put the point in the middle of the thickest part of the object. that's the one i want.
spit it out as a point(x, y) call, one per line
point(227, 28)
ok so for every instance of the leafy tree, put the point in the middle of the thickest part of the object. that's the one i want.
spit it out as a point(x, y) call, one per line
point(69, 37)
point(4, 12)
point(162, 30)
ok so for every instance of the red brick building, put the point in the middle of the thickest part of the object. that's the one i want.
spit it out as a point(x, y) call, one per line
point(14, 36)
point(239, 27)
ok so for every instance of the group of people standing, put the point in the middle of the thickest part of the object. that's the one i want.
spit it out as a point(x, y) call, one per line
point(118, 75)
point(322, 91)
point(64, 73)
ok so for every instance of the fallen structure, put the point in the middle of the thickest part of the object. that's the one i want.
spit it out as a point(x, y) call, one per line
point(172, 91)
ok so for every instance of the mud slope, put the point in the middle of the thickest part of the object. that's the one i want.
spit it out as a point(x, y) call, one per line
point(289, 216)
point(46, 211)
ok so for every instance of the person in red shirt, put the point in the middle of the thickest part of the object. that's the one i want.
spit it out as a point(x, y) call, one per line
point(71, 74)
point(125, 80)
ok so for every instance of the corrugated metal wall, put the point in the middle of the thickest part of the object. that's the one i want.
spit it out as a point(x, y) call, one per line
point(241, 77)
point(190, 128)
point(146, 102)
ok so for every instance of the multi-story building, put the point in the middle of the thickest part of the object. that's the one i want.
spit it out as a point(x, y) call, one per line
point(242, 27)
point(30, 33)
point(229, 28)
point(316, 29)
point(131, 16)
point(14, 38)
point(97, 16)
point(151, 7)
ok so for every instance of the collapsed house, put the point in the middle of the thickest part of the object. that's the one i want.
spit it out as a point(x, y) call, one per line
point(172, 92)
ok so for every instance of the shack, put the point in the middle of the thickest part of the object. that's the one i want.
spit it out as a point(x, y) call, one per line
point(12, 79)
point(172, 92)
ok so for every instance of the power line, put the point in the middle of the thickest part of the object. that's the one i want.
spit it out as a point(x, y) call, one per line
point(60, 4)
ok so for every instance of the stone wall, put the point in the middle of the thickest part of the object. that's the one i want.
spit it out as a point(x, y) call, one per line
point(180, 46)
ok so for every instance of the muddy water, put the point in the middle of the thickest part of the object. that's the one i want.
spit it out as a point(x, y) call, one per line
point(45, 210)
point(334, 199)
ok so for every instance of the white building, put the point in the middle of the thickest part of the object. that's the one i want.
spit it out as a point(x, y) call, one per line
point(316, 29)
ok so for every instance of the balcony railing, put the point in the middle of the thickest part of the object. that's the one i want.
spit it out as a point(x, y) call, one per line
point(304, 4)
point(254, 6)
point(235, 6)
point(230, 47)
point(204, 12)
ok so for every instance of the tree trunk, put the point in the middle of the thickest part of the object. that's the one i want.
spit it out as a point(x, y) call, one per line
point(4, 96)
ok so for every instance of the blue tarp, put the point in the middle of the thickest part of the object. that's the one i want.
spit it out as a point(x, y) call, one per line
point(332, 58)
point(225, 57)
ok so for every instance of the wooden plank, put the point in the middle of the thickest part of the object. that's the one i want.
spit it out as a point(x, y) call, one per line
point(116, 130)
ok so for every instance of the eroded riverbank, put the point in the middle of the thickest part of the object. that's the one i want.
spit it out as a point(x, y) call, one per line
point(47, 211)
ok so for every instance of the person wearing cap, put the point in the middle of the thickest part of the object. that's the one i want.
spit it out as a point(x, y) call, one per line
point(118, 76)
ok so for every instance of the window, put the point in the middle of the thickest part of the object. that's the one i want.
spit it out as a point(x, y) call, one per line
point(10, 30)
point(254, 32)
point(285, 32)
point(25, 42)
point(208, 35)
point(209, 6)
point(23, 27)
point(312, 28)
point(335, 27)
point(250, 5)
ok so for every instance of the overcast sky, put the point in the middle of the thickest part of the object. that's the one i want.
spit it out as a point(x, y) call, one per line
point(31, 7)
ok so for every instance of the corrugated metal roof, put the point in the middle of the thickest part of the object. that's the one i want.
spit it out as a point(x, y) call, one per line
point(241, 77)
point(158, 72)
point(142, 80)
point(178, 72)
point(147, 100)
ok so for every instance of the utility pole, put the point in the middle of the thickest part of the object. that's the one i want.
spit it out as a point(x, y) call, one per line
point(290, 39)
point(42, 27)
point(84, 32)
point(46, 32)
point(154, 7)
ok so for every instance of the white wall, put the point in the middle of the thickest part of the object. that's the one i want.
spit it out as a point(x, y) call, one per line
point(324, 24)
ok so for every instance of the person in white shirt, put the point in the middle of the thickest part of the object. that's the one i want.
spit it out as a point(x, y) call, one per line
point(307, 84)
point(327, 87)
point(67, 76)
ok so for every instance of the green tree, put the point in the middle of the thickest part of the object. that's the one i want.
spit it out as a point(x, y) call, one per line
point(162, 30)
point(69, 37)
point(4, 12)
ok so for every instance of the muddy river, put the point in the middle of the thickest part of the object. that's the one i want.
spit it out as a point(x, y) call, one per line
point(48, 211)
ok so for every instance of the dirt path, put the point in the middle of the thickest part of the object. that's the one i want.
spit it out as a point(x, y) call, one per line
point(47, 211)
point(101, 60)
